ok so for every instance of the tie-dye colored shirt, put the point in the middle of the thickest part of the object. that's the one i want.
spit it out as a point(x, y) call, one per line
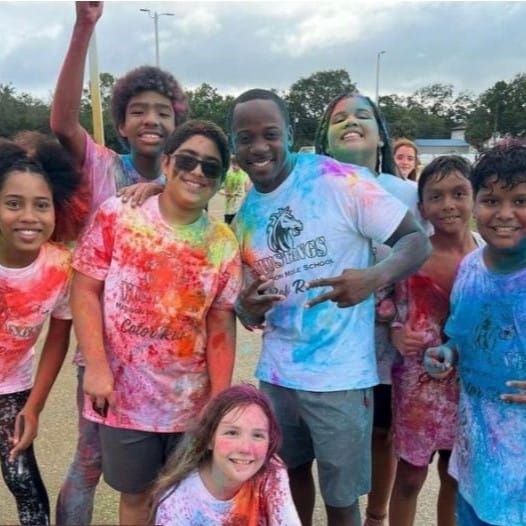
point(488, 326)
point(28, 296)
point(264, 500)
point(107, 172)
point(160, 281)
point(317, 223)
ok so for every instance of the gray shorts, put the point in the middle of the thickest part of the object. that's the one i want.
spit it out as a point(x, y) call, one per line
point(335, 429)
point(132, 459)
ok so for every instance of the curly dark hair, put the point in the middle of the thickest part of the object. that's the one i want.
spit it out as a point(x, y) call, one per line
point(199, 127)
point(384, 162)
point(505, 162)
point(147, 78)
point(441, 167)
point(38, 153)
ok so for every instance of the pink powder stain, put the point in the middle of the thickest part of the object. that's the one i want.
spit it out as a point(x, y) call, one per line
point(429, 306)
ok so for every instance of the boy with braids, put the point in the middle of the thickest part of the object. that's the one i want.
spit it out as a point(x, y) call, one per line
point(147, 104)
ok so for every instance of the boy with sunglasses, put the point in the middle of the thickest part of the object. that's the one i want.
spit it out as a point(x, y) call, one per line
point(152, 300)
point(147, 104)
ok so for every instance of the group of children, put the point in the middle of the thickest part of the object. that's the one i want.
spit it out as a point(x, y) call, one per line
point(153, 283)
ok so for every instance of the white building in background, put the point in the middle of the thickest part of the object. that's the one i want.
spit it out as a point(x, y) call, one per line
point(428, 149)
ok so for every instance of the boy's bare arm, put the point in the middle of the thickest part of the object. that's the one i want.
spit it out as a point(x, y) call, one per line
point(86, 308)
point(220, 348)
point(64, 119)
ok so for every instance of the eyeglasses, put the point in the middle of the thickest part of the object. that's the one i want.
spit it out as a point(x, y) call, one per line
point(211, 169)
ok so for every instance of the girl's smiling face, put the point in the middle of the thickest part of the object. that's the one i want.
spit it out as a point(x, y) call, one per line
point(27, 217)
point(353, 135)
point(405, 160)
point(239, 448)
point(187, 192)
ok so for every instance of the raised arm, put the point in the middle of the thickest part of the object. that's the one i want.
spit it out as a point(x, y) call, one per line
point(64, 119)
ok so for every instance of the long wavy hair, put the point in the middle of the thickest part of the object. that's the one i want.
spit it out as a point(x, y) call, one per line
point(384, 159)
point(194, 450)
point(410, 144)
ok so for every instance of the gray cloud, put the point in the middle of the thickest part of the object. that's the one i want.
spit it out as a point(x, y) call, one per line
point(235, 45)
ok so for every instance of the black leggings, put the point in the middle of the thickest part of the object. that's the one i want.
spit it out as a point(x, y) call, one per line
point(21, 477)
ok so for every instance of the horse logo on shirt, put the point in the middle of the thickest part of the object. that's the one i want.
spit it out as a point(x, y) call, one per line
point(282, 228)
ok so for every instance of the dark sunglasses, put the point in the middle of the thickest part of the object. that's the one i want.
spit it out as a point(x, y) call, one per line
point(211, 169)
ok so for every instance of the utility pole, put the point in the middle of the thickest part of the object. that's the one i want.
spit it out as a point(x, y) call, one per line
point(378, 55)
point(155, 16)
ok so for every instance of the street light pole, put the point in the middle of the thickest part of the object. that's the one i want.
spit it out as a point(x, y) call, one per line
point(155, 16)
point(378, 55)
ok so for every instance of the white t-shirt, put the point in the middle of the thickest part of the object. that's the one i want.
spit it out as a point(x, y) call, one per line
point(264, 500)
point(317, 223)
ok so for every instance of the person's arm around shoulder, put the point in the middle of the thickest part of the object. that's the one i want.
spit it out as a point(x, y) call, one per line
point(64, 119)
point(51, 359)
point(86, 298)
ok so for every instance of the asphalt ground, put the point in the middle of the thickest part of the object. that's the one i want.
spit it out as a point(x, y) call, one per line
point(57, 438)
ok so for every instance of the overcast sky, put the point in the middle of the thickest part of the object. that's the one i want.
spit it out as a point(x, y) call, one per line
point(237, 45)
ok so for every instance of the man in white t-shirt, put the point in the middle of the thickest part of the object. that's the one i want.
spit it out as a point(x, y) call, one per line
point(308, 222)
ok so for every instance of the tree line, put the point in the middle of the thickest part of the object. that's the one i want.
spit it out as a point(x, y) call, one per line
point(430, 112)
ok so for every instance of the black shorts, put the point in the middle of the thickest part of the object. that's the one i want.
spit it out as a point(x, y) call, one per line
point(132, 459)
point(382, 415)
point(444, 454)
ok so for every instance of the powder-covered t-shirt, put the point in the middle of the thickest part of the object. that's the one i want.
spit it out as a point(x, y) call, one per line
point(488, 326)
point(317, 223)
point(407, 192)
point(424, 408)
point(160, 281)
point(264, 500)
point(28, 296)
point(107, 172)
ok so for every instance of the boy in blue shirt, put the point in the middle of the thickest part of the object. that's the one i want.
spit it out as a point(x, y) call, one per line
point(487, 331)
